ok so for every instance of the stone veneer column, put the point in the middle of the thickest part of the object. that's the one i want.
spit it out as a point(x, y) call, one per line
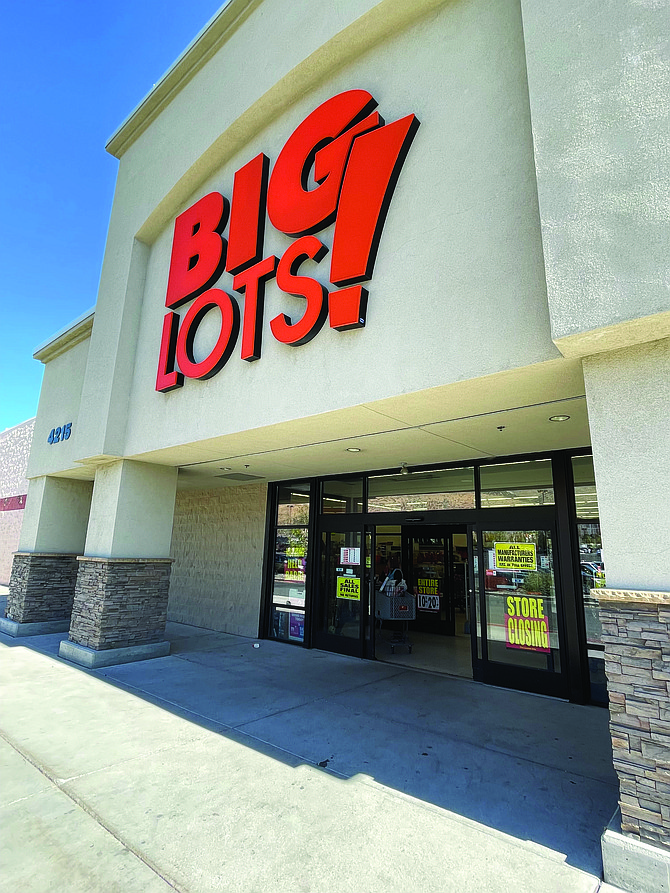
point(41, 592)
point(44, 570)
point(120, 604)
point(636, 635)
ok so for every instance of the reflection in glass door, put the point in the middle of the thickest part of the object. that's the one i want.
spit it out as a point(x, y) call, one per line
point(341, 593)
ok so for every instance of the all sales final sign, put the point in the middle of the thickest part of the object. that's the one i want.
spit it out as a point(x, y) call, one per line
point(355, 159)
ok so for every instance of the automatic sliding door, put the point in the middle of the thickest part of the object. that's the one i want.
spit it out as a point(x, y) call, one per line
point(520, 606)
point(428, 579)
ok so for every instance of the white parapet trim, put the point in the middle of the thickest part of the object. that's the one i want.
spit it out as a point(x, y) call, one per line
point(65, 338)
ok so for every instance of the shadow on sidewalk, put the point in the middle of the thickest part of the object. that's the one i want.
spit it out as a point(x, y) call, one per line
point(534, 768)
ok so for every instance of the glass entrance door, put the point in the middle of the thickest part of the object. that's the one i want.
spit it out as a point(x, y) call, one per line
point(520, 611)
point(428, 571)
point(438, 574)
point(342, 600)
point(434, 563)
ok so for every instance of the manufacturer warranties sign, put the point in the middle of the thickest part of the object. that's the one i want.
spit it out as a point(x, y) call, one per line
point(515, 556)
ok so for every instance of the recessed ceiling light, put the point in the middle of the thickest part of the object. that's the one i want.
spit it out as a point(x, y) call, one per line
point(353, 450)
point(559, 418)
point(225, 468)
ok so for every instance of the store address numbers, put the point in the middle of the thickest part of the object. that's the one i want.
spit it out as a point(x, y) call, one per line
point(58, 435)
point(355, 159)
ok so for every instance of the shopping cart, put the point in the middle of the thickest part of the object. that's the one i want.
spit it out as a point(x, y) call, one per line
point(394, 603)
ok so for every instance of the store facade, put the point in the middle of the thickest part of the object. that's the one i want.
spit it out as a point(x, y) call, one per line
point(499, 559)
point(396, 300)
point(340, 273)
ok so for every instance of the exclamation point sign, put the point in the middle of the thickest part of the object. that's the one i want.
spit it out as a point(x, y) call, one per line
point(372, 172)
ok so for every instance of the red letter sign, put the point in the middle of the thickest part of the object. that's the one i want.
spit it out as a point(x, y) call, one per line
point(302, 287)
point(247, 214)
point(372, 173)
point(252, 283)
point(292, 208)
point(341, 165)
point(230, 325)
point(168, 379)
point(198, 255)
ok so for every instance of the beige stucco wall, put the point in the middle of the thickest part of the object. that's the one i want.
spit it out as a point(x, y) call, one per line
point(628, 395)
point(60, 401)
point(599, 80)
point(467, 185)
point(56, 515)
point(10, 533)
point(131, 511)
point(217, 546)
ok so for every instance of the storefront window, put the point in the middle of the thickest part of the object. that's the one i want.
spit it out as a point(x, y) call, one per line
point(293, 504)
point(422, 491)
point(592, 575)
point(516, 603)
point(289, 576)
point(591, 569)
point(388, 551)
point(288, 584)
point(591, 563)
point(517, 484)
point(586, 499)
point(342, 497)
point(522, 622)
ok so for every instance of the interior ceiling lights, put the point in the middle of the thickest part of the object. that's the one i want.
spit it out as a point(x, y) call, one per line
point(559, 418)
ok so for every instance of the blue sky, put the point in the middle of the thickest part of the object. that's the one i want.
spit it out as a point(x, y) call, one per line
point(70, 73)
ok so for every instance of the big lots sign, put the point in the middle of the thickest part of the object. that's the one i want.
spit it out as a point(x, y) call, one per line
point(354, 160)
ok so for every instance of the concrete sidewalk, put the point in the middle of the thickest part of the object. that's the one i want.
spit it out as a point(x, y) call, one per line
point(226, 767)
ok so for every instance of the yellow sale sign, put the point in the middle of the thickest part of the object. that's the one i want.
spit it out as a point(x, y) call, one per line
point(349, 587)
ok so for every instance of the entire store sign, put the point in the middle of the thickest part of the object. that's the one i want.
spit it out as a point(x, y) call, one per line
point(428, 594)
point(355, 159)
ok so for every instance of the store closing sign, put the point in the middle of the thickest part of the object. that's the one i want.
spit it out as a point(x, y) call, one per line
point(355, 159)
point(526, 624)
